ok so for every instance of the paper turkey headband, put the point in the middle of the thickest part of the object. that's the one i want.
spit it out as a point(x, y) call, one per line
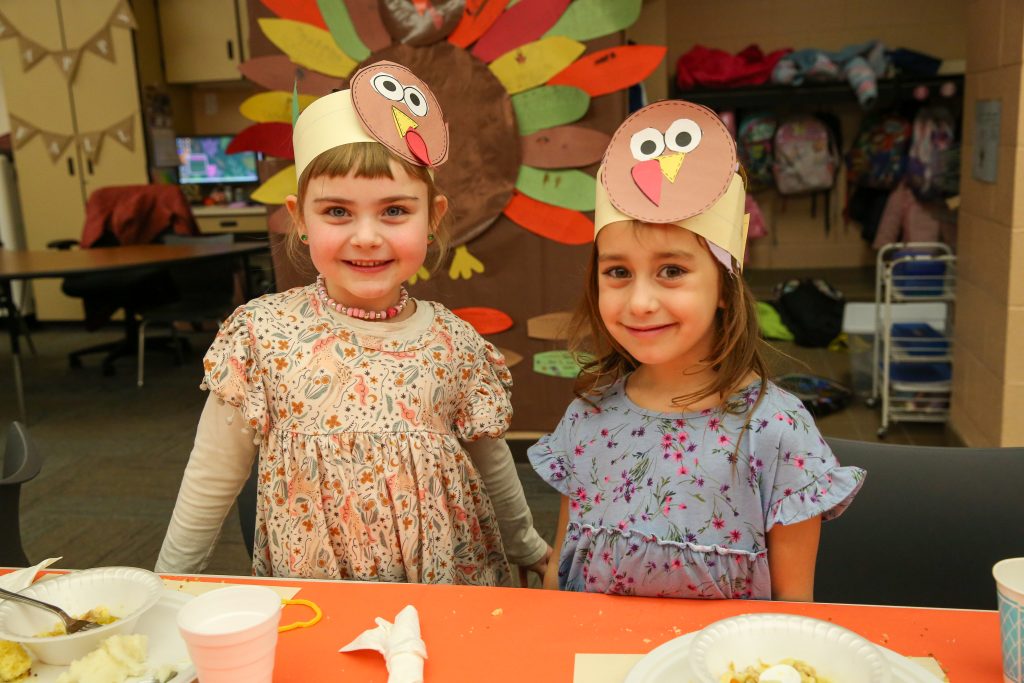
point(385, 103)
point(675, 162)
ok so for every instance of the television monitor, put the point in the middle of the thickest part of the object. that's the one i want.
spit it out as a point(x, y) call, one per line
point(203, 159)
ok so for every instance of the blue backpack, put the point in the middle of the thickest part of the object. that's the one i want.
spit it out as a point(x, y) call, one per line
point(755, 147)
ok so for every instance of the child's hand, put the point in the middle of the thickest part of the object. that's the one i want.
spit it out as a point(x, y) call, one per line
point(539, 568)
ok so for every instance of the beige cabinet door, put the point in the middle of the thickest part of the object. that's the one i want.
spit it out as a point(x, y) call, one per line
point(200, 39)
point(50, 189)
point(105, 93)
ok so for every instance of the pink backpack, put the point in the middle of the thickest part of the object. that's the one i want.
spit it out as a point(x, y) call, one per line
point(805, 156)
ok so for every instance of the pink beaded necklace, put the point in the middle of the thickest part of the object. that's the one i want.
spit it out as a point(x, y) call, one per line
point(352, 311)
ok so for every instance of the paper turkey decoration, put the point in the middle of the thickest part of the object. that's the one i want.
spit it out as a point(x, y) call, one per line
point(512, 79)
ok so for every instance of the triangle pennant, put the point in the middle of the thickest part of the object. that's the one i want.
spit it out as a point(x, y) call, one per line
point(123, 16)
point(67, 62)
point(101, 44)
point(55, 144)
point(6, 29)
point(31, 52)
point(21, 132)
point(90, 144)
point(123, 132)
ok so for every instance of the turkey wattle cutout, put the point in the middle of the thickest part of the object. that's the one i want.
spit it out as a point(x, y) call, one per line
point(669, 161)
point(399, 111)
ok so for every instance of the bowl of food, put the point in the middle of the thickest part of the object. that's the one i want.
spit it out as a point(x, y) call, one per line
point(784, 648)
point(113, 596)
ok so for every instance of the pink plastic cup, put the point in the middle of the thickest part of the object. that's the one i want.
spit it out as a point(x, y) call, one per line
point(231, 634)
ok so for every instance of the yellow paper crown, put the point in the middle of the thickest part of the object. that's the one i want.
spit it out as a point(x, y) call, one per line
point(328, 122)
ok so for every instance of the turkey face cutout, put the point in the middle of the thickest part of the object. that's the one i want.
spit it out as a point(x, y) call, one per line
point(398, 109)
point(669, 161)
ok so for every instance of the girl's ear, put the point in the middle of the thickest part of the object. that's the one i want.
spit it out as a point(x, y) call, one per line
point(440, 208)
point(291, 202)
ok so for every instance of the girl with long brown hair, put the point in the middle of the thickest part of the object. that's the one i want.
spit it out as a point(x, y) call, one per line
point(684, 471)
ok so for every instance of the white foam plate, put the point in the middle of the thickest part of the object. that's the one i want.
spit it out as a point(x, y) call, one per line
point(160, 623)
point(664, 663)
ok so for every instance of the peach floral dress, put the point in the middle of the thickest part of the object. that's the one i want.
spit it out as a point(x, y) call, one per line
point(361, 471)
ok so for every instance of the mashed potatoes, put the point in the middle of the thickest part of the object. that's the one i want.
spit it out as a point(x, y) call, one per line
point(15, 664)
point(117, 658)
point(752, 674)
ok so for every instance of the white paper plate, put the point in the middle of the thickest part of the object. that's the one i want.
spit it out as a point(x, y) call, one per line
point(669, 663)
point(165, 643)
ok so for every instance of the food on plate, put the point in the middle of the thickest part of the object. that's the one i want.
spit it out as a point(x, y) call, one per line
point(97, 615)
point(15, 663)
point(786, 671)
point(117, 658)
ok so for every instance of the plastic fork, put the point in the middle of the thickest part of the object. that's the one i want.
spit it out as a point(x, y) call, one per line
point(71, 625)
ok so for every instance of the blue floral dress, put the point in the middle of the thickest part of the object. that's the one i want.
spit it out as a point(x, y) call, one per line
point(662, 504)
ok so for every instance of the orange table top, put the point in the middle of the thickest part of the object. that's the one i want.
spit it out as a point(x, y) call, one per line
point(514, 634)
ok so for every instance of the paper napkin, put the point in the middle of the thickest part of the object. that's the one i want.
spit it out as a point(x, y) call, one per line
point(400, 643)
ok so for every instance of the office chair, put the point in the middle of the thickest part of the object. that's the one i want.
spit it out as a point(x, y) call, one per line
point(925, 528)
point(125, 215)
point(22, 461)
point(205, 291)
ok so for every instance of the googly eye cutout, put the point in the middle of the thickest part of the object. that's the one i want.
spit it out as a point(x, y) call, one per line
point(683, 135)
point(415, 100)
point(647, 144)
point(388, 86)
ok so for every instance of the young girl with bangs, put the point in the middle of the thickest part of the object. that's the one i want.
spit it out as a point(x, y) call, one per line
point(377, 418)
point(684, 471)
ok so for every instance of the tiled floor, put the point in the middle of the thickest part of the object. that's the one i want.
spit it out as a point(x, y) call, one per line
point(115, 452)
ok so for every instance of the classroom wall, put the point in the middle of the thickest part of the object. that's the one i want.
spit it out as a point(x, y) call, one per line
point(937, 27)
point(988, 368)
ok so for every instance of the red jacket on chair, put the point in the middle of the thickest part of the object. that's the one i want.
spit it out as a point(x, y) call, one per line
point(136, 214)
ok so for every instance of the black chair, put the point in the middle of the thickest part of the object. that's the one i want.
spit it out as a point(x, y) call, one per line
point(246, 502)
point(204, 291)
point(926, 527)
point(22, 462)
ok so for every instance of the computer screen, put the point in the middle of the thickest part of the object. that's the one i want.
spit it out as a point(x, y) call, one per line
point(204, 159)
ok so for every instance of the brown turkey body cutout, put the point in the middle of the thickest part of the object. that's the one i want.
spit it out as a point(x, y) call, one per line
point(400, 111)
point(669, 161)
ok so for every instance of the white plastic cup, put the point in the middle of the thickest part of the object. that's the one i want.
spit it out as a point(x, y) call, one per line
point(231, 634)
point(1009, 576)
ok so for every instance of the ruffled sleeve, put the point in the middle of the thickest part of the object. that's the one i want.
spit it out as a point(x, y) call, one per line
point(234, 373)
point(551, 459)
point(808, 479)
point(485, 406)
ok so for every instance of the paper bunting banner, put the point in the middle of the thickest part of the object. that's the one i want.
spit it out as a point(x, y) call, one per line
point(569, 189)
point(308, 46)
point(102, 44)
point(550, 326)
point(273, 139)
point(342, 29)
point(589, 19)
point(21, 132)
point(525, 22)
point(564, 147)
point(277, 72)
point(365, 16)
point(556, 364)
point(277, 187)
point(551, 222)
point(272, 106)
point(67, 62)
point(485, 320)
point(305, 11)
point(90, 144)
point(477, 18)
point(549, 106)
point(55, 144)
point(534, 63)
point(512, 358)
point(123, 132)
point(611, 70)
point(31, 52)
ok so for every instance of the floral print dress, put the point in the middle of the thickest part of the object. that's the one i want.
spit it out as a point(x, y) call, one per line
point(662, 504)
point(361, 471)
